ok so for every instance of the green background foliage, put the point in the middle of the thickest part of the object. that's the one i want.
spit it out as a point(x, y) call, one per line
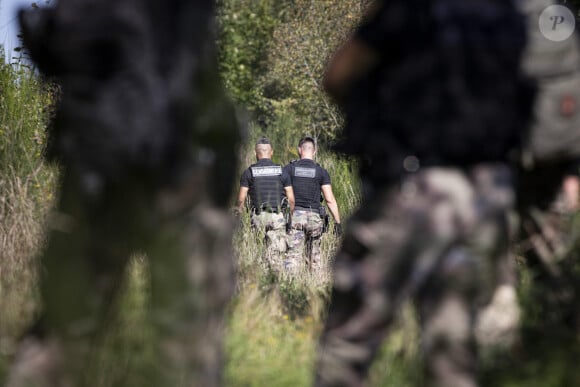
point(273, 55)
point(26, 192)
point(245, 29)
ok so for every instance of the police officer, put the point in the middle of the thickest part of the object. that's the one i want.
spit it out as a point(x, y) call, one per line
point(147, 151)
point(268, 185)
point(432, 221)
point(309, 179)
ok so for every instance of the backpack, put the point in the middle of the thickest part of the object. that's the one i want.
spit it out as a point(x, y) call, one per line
point(554, 66)
point(447, 89)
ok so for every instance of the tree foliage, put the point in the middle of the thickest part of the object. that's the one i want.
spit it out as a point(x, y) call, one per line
point(246, 27)
point(302, 44)
point(274, 54)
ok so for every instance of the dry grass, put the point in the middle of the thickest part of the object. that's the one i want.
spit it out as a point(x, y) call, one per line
point(26, 192)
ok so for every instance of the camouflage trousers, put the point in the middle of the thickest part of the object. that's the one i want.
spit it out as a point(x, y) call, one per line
point(304, 242)
point(272, 226)
point(91, 239)
point(434, 238)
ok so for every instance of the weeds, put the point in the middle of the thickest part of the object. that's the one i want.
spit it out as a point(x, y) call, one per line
point(26, 192)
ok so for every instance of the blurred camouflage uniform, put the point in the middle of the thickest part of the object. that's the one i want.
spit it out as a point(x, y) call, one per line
point(546, 234)
point(552, 145)
point(437, 183)
point(90, 242)
point(434, 238)
point(146, 140)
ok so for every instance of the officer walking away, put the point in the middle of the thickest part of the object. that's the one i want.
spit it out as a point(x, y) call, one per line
point(434, 106)
point(309, 179)
point(270, 191)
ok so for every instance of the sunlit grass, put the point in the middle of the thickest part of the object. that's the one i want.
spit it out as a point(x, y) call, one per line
point(265, 345)
point(26, 192)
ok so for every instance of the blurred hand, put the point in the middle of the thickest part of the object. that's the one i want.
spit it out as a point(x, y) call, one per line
point(337, 230)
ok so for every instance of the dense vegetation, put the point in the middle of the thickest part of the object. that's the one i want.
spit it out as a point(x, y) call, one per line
point(272, 56)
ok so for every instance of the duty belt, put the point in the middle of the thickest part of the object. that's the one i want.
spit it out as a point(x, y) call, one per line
point(309, 209)
point(258, 211)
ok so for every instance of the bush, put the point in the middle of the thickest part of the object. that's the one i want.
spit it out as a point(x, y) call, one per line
point(273, 55)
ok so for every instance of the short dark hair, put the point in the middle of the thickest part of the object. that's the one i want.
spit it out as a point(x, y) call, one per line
point(263, 141)
point(306, 139)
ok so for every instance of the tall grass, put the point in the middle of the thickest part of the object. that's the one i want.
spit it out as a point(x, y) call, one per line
point(26, 191)
point(275, 322)
point(265, 346)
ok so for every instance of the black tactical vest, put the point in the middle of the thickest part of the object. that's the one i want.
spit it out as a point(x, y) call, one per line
point(306, 183)
point(266, 188)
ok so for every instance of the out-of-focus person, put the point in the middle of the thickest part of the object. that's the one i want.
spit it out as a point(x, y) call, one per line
point(435, 107)
point(146, 141)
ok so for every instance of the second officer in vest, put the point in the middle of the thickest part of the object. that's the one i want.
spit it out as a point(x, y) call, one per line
point(267, 185)
point(308, 180)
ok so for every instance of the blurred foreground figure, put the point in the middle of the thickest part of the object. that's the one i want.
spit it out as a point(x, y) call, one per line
point(547, 197)
point(547, 194)
point(434, 105)
point(146, 141)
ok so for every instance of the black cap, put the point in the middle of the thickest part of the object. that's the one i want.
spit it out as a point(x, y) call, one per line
point(306, 139)
point(263, 141)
